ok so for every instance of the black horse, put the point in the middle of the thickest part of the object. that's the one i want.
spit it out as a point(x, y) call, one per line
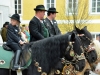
point(48, 52)
point(89, 50)
point(86, 39)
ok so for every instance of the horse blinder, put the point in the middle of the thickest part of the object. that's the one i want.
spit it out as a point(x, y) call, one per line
point(70, 48)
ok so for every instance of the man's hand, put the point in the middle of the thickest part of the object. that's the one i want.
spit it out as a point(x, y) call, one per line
point(21, 42)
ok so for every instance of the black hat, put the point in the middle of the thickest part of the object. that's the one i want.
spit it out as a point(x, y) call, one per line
point(40, 8)
point(16, 17)
point(52, 10)
point(6, 23)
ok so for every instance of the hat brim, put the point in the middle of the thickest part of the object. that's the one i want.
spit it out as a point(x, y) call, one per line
point(15, 19)
point(53, 11)
point(40, 9)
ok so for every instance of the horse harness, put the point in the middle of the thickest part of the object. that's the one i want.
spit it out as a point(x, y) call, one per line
point(69, 69)
point(75, 56)
point(90, 47)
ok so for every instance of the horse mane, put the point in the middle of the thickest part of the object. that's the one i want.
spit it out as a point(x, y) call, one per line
point(47, 51)
point(97, 46)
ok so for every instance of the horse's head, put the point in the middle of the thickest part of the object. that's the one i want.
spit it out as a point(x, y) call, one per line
point(74, 52)
point(87, 44)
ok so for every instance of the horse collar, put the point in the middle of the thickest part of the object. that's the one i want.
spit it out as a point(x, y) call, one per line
point(39, 69)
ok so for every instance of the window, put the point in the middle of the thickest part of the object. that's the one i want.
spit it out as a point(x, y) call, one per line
point(72, 6)
point(50, 3)
point(95, 6)
point(96, 36)
point(18, 6)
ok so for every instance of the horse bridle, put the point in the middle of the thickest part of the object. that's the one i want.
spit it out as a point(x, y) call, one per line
point(72, 53)
point(90, 47)
point(75, 56)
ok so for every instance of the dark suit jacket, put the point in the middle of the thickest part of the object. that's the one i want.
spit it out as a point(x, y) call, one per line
point(53, 28)
point(35, 29)
point(4, 34)
point(13, 36)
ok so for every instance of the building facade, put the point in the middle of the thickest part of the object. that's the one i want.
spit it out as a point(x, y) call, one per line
point(86, 12)
point(6, 10)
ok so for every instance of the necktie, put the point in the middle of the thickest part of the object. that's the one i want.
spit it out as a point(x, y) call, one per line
point(45, 31)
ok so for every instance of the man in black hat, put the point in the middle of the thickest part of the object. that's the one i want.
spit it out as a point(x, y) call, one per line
point(51, 23)
point(36, 27)
point(14, 39)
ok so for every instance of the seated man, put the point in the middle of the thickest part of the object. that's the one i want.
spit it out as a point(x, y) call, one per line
point(51, 23)
point(14, 39)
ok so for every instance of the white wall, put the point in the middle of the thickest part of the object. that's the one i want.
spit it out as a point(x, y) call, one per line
point(5, 2)
point(6, 10)
point(11, 7)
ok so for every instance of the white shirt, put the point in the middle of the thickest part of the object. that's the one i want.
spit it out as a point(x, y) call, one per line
point(38, 18)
